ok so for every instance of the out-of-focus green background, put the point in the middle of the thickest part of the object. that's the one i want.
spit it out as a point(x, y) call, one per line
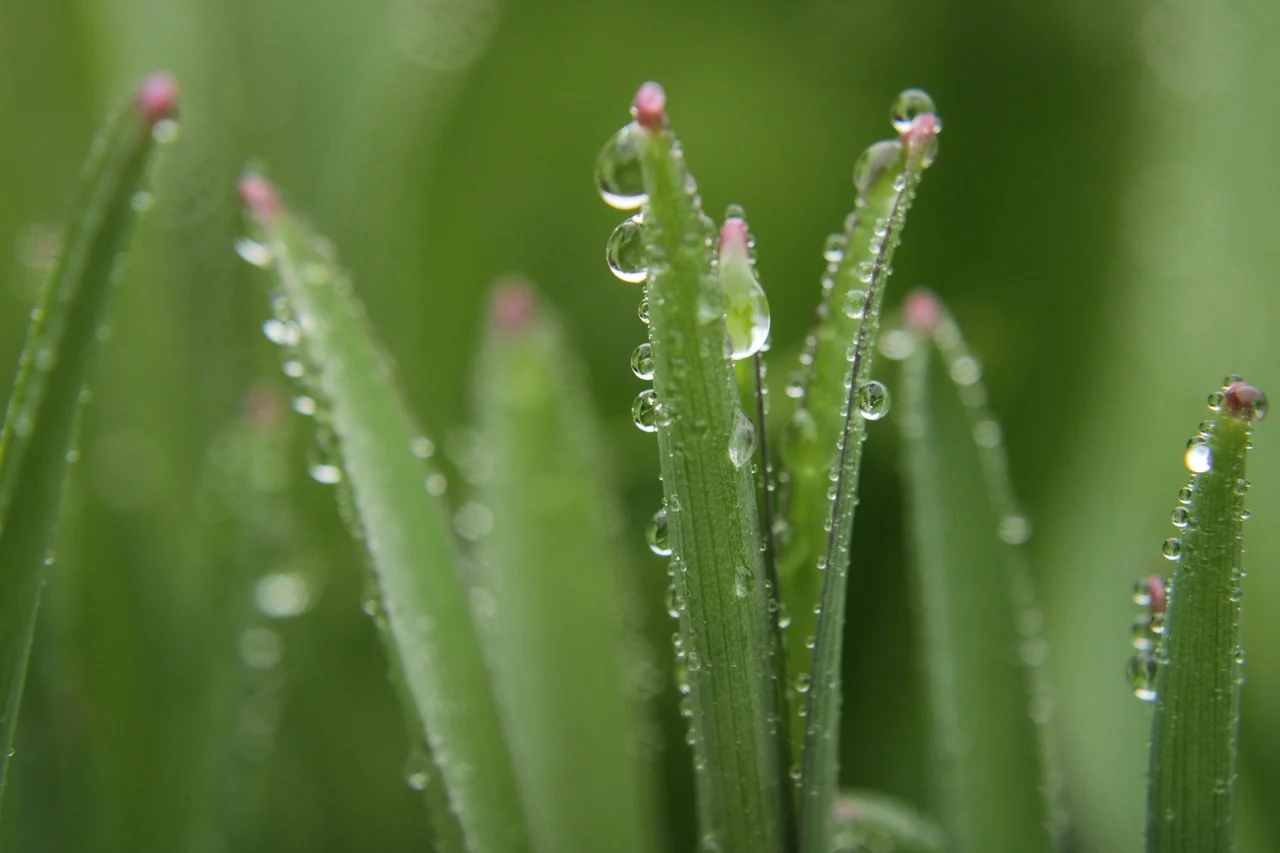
point(1101, 218)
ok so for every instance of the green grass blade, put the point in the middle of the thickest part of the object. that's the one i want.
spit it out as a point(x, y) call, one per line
point(39, 431)
point(1197, 666)
point(712, 526)
point(552, 569)
point(824, 464)
point(979, 626)
point(867, 822)
point(378, 452)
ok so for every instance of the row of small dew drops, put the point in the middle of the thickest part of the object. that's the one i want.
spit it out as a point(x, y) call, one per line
point(1154, 593)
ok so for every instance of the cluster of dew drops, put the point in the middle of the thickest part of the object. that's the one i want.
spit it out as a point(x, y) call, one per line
point(1153, 593)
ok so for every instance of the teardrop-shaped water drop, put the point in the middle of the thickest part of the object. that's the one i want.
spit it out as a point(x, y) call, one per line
point(886, 154)
point(855, 304)
point(656, 535)
point(873, 400)
point(642, 311)
point(618, 173)
point(642, 361)
point(834, 250)
point(1142, 676)
point(909, 104)
point(746, 308)
point(644, 411)
point(625, 251)
point(742, 440)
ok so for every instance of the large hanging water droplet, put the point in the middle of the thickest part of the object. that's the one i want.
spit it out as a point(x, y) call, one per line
point(625, 252)
point(746, 308)
point(875, 160)
point(642, 361)
point(1199, 458)
point(742, 440)
point(618, 174)
point(855, 304)
point(873, 400)
point(909, 104)
point(657, 534)
point(1142, 676)
point(644, 411)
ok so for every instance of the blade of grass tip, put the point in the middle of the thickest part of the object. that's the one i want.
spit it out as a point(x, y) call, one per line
point(551, 571)
point(981, 650)
point(867, 822)
point(863, 400)
point(1196, 668)
point(398, 513)
point(39, 433)
point(857, 269)
point(709, 524)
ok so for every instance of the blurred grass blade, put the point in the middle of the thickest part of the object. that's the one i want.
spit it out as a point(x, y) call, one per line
point(867, 822)
point(981, 651)
point(1196, 669)
point(39, 431)
point(705, 443)
point(825, 464)
point(552, 572)
point(404, 524)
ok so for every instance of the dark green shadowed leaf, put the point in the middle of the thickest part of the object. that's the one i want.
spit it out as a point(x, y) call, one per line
point(1197, 666)
point(394, 503)
point(825, 462)
point(981, 652)
point(710, 516)
point(39, 433)
point(551, 574)
point(866, 822)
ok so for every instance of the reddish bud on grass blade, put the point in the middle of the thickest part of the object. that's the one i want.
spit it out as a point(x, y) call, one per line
point(650, 105)
point(734, 236)
point(1245, 402)
point(513, 307)
point(922, 311)
point(157, 97)
point(259, 196)
point(1156, 592)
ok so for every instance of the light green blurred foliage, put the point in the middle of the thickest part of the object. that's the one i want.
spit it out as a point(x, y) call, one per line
point(1100, 218)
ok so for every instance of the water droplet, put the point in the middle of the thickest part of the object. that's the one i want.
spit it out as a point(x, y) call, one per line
point(1015, 529)
point(795, 386)
point(253, 252)
point(1142, 637)
point(473, 521)
point(746, 308)
point(327, 474)
point(1142, 676)
point(742, 441)
point(1180, 517)
point(618, 173)
point(658, 536)
point(1142, 593)
point(1238, 655)
point(965, 370)
point(260, 648)
point(282, 595)
point(855, 304)
point(1185, 494)
point(422, 447)
point(304, 405)
point(625, 252)
point(834, 250)
point(909, 104)
point(803, 682)
point(1245, 402)
point(417, 770)
point(294, 369)
point(784, 616)
point(744, 581)
point(873, 400)
point(875, 160)
point(643, 311)
point(1172, 548)
point(436, 484)
point(142, 201)
point(1215, 401)
point(1199, 458)
point(282, 333)
point(642, 361)
point(810, 642)
point(1242, 486)
point(644, 411)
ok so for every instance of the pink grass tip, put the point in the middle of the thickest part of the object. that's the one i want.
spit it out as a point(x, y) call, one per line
point(922, 311)
point(734, 236)
point(259, 196)
point(923, 128)
point(1243, 401)
point(157, 97)
point(649, 107)
point(1157, 591)
point(513, 307)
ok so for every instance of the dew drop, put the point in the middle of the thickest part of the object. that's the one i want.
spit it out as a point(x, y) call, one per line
point(642, 361)
point(795, 386)
point(744, 581)
point(742, 441)
point(909, 104)
point(873, 400)
point(873, 162)
point(282, 333)
point(304, 405)
point(803, 682)
point(416, 770)
point(1180, 517)
point(1141, 593)
point(644, 411)
point(1185, 494)
point(1141, 636)
point(618, 173)
point(422, 447)
point(1245, 402)
point(746, 308)
point(657, 534)
point(473, 521)
point(253, 252)
point(327, 474)
point(625, 252)
point(1199, 458)
point(643, 311)
point(1142, 676)
point(965, 370)
point(1215, 401)
point(1172, 548)
point(282, 595)
point(436, 484)
point(294, 369)
point(1015, 529)
point(834, 250)
point(855, 304)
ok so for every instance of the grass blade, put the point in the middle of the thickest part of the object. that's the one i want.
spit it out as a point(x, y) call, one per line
point(981, 649)
point(38, 437)
point(710, 516)
point(404, 526)
point(552, 570)
point(824, 466)
point(866, 822)
point(1196, 669)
